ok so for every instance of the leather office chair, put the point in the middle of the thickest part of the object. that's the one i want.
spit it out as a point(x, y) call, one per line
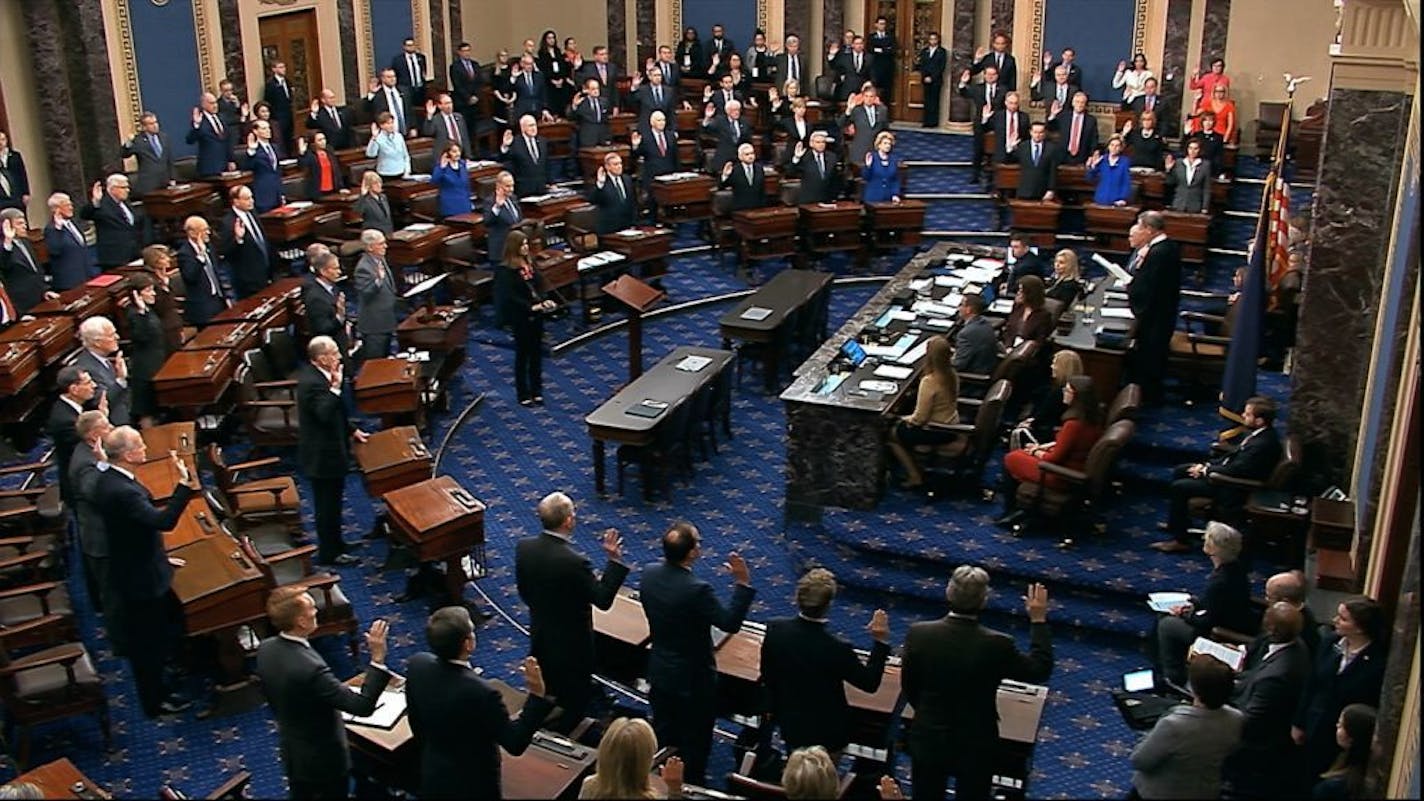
point(459, 257)
point(961, 460)
point(825, 89)
point(1198, 350)
point(272, 499)
point(1085, 488)
point(1126, 405)
point(233, 789)
point(282, 353)
point(268, 537)
point(53, 683)
point(295, 188)
point(330, 229)
point(185, 169)
point(425, 208)
point(334, 613)
point(581, 228)
point(1261, 495)
point(268, 413)
point(724, 236)
point(744, 786)
point(33, 516)
point(24, 604)
point(1008, 368)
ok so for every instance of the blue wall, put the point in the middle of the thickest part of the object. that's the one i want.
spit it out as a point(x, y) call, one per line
point(737, 17)
point(1101, 33)
point(390, 25)
point(166, 52)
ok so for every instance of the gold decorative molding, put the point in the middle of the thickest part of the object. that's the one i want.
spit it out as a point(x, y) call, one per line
point(368, 39)
point(419, 29)
point(1139, 28)
point(129, 61)
point(277, 2)
point(205, 51)
point(1035, 36)
point(762, 18)
point(676, 23)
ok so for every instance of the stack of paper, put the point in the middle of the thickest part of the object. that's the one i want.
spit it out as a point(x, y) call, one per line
point(1001, 306)
point(388, 711)
point(893, 371)
point(1167, 601)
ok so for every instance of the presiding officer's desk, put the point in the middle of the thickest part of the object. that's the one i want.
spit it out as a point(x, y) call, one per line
point(1080, 326)
point(836, 432)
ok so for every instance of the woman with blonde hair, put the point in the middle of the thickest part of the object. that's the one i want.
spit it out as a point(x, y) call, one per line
point(1067, 282)
point(882, 171)
point(625, 764)
point(1047, 412)
point(810, 773)
point(936, 401)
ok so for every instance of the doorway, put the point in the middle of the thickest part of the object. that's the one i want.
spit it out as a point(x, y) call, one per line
point(292, 39)
point(911, 22)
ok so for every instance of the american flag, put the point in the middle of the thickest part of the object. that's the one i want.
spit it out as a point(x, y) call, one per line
point(1277, 230)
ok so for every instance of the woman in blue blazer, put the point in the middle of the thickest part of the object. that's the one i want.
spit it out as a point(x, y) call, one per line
point(882, 171)
point(1112, 174)
point(452, 177)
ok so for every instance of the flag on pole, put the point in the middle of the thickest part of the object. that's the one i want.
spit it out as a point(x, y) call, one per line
point(1238, 381)
point(1278, 233)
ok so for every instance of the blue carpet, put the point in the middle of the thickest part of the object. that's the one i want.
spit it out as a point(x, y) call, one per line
point(896, 557)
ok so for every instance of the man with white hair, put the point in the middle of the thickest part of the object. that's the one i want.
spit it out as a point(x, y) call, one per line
point(819, 170)
point(23, 277)
point(731, 131)
point(204, 296)
point(324, 444)
point(101, 358)
point(118, 227)
point(951, 674)
point(528, 156)
point(376, 288)
point(746, 178)
point(69, 257)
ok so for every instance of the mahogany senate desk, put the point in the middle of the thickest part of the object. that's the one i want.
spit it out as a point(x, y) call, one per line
point(392, 458)
point(687, 198)
point(61, 779)
point(829, 227)
point(767, 233)
point(387, 387)
point(440, 521)
point(414, 245)
point(893, 225)
point(646, 246)
point(289, 224)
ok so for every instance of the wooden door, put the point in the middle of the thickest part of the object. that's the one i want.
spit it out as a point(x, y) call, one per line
point(292, 39)
point(911, 22)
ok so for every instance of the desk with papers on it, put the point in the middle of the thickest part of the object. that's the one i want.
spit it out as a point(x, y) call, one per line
point(790, 307)
point(1095, 326)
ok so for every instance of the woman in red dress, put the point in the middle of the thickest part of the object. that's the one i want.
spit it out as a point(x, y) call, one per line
point(1082, 426)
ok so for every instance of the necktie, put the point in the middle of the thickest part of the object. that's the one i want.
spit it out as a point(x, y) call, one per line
point(1151, 101)
point(128, 215)
point(747, 168)
point(726, 97)
point(256, 229)
point(657, 95)
point(602, 74)
point(216, 123)
point(998, 61)
point(513, 209)
point(1013, 136)
point(414, 70)
point(857, 62)
point(1191, 169)
point(24, 250)
point(1036, 147)
point(450, 127)
point(736, 131)
point(1076, 133)
point(4, 181)
point(270, 154)
point(870, 114)
point(281, 84)
point(1062, 93)
point(795, 69)
point(335, 117)
point(533, 148)
point(393, 101)
point(529, 80)
point(662, 144)
point(667, 73)
point(209, 272)
point(618, 184)
point(469, 70)
point(989, 93)
point(156, 145)
point(597, 110)
point(821, 165)
point(73, 231)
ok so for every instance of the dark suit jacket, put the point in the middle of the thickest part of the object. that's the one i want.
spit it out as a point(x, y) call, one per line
point(324, 440)
point(681, 609)
point(1330, 690)
point(1226, 601)
point(60, 428)
point(1029, 264)
point(266, 178)
point(815, 186)
point(69, 258)
point(1267, 692)
point(214, 148)
point(375, 213)
point(280, 99)
point(607, 89)
point(404, 78)
point(1255, 458)
point(1154, 296)
point(464, 84)
point(118, 240)
point(84, 475)
point(531, 175)
point(1035, 180)
point(1008, 70)
point(338, 137)
point(1192, 196)
point(976, 347)
point(1075, 76)
point(322, 319)
point(107, 383)
point(379, 103)
point(154, 170)
point(437, 127)
point(615, 211)
point(951, 673)
point(307, 700)
point(1212, 148)
point(672, 73)
point(139, 568)
point(312, 170)
point(22, 275)
point(557, 583)
point(881, 48)
point(782, 65)
point(1047, 91)
point(977, 93)
point(647, 105)
point(592, 121)
point(499, 219)
point(249, 260)
point(379, 301)
point(865, 133)
point(460, 723)
point(804, 668)
point(729, 138)
point(746, 195)
point(849, 78)
point(653, 162)
point(199, 301)
point(529, 97)
point(1000, 126)
point(1087, 137)
point(15, 172)
point(795, 134)
point(1139, 105)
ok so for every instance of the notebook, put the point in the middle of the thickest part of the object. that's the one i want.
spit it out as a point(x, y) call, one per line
point(648, 408)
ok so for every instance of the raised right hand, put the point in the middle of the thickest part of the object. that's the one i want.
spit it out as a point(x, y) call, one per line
point(533, 676)
point(1036, 603)
point(726, 169)
point(374, 85)
point(508, 138)
point(429, 109)
point(964, 77)
point(707, 92)
point(251, 141)
point(1122, 66)
point(302, 146)
point(738, 568)
point(635, 139)
point(612, 545)
point(980, 53)
point(879, 626)
point(197, 115)
point(96, 192)
point(7, 229)
point(889, 790)
point(800, 149)
point(375, 129)
point(869, 157)
point(1170, 161)
point(1047, 59)
point(315, 106)
point(238, 229)
point(1126, 126)
point(602, 176)
point(376, 640)
point(104, 401)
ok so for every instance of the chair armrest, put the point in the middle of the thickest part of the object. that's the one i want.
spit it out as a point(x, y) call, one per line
point(42, 589)
point(31, 492)
point(241, 489)
point(280, 404)
point(1202, 317)
point(1208, 339)
point(1069, 473)
point(323, 582)
point(301, 552)
point(581, 729)
point(64, 655)
point(274, 385)
point(950, 428)
point(1234, 481)
point(30, 467)
point(232, 788)
point(24, 560)
point(27, 627)
point(17, 542)
point(255, 463)
point(979, 378)
point(1223, 634)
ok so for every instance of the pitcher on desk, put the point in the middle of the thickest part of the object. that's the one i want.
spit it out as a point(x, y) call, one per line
point(376, 288)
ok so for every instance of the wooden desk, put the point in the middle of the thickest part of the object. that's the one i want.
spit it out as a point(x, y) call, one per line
point(225, 182)
point(472, 223)
point(1110, 225)
point(591, 158)
point(61, 779)
point(53, 337)
point(785, 296)
point(409, 247)
point(832, 226)
point(550, 208)
point(446, 329)
point(440, 521)
point(621, 637)
point(218, 587)
point(559, 136)
point(647, 248)
point(1104, 365)
point(391, 459)
point(1037, 218)
point(387, 387)
point(270, 308)
point(684, 200)
point(344, 202)
point(404, 191)
point(19, 364)
point(170, 205)
point(160, 477)
point(768, 233)
point(664, 382)
point(291, 223)
point(80, 302)
point(192, 379)
point(181, 437)
point(557, 268)
point(1191, 231)
point(895, 225)
point(196, 523)
point(232, 336)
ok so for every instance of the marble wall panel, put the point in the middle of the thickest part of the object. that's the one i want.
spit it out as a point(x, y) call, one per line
point(617, 32)
point(230, 27)
point(1214, 29)
point(1174, 69)
point(647, 11)
point(833, 20)
point(350, 64)
point(797, 20)
point(1001, 17)
point(56, 104)
point(961, 53)
point(456, 16)
point(439, 58)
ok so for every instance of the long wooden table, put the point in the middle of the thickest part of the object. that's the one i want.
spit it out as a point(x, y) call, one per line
point(612, 421)
point(782, 300)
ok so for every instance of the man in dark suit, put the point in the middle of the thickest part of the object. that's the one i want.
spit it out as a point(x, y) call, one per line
point(870, 117)
point(985, 99)
point(818, 169)
point(931, 63)
point(883, 53)
point(1067, 63)
point(375, 286)
point(724, 95)
point(332, 120)
point(1000, 59)
point(1010, 125)
point(203, 296)
point(244, 245)
point(69, 257)
point(118, 227)
point(976, 344)
point(154, 153)
point(83, 473)
point(853, 69)
point(1025, 262)
point(1153, 296)
point(790, 65)
point(1190, 180)
point(1255, 458)
point(1290, 586)
point(263, 161)
point(14, 178)
point(528, 156)
point(146, 620)
point(212, 137)
point(502, 215)
point(307, 699)
point(666, 66)
point(557, 583)
point(323, 444)
point(1077, 131)
point(384, 94)
point(590, 111)
point(100, 357)
point(746, 178)
point(326, 303)
point(20, 271)
point(656, 152)
point(447, 125)
point(681, 609)
point(720, 46)
point(76, 391)
point(805, 668)
point(1038, 165)
point(951, 674)
point(458, 719)
point(1149, 100)
point(278, 94)
point(1054, 89)
point(465, 80)
point(605, 72)
point(412, 71)
point(655, 94)
point(731, 130)
point(1268, 692)
point(527, 85)
point(613, 195)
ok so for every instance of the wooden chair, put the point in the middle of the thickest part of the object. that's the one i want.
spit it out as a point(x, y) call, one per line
point(268, 414)
point(25, 604)
point(581, 228)
point(1084, 488)
point(268, 537)
point(282, 353)
point(295, 188)
point(272, 499)
point(56, 682)
point(293, 568)
point(233, 789)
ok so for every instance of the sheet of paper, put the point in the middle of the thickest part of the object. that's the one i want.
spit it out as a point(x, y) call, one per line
point(902, 314)
point(914, 354)
point(921, 284)
point(1122, 276)
point(693, 364)
point(952, 281)
point(1115, 313)
point(389, 708)
point(1233, 657)
point(756, 313)
point(1001, 306)
point(893, 371)
point(1165, 601)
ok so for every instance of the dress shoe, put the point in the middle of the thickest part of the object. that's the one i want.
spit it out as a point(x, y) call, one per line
point(1171, 546)
point(1162, 526)
point(341, 559)
point(538, 400)
point(173, 705)
point(527, 402)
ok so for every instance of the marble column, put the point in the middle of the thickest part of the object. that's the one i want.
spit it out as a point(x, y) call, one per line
point(961, 54)
point(798, 21)
point(832, 22)
point(1001, 17)
point(617, 33)
point(229, 24)
point(1398, 665)
point(1174, 69)
point(439, 59)
point(56, 105)
point(1350, 229)
point(647, 33)
point(350, 64)
point(1214, 29)
point(456, 16)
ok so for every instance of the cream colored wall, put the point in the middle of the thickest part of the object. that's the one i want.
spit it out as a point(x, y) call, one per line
point(22, 107)
point(1257, 54)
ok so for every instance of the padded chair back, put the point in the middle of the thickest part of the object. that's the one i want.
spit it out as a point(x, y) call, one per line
point(1009, 367)
point(1104, 455)
point(1126, 404)
point(754, 790)
point(825, 87)
point(295, 188)
point(458, 248)
point(358, 172)
point(986, 423)
point(1288, 466)
point(281, 352)
point(581, 228)
point(186, 168)
point(484, 187)
point(790, 192)
point(1055, 308)
point(329, 226)
point(422, 162)
point(722, 203)
point(260, 367)
point(427, 206)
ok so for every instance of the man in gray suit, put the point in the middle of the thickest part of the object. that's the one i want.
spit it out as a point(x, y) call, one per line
point(976, 347)
point(92, 427)
point(155, 157)
point(101, 358)
point(447, 125)
point(870, 117)
point(376, 287)
point(1190, 179)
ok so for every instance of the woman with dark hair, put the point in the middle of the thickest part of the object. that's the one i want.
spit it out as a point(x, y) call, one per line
point(1131, 78)
point(451, 175)
point(1354, 733)
point(558, 74)
point(320, 165)
point(1349, 669)
point(741, 79)
point(936, 401)
point(1182, 756)
point(689, 52)
point(262, 110)
point(1082, 426)
point(147, 347)
point(1028, 320)
point(524, 310)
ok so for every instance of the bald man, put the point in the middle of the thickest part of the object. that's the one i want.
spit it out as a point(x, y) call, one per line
point(212, 138)
point(204, 296)
point(330, 119)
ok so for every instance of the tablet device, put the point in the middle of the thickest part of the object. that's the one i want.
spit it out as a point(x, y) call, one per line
point(1139, 681)
point(853, 352)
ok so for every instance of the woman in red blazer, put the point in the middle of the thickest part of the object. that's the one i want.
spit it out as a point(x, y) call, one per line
point(1082, 427)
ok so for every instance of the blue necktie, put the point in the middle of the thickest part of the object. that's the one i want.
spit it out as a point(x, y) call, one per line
point(157, 146)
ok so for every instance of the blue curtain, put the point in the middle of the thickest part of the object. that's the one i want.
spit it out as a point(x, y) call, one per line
point(1101, 33)
point(166, 56)
point(737, 18)
point(390, 25)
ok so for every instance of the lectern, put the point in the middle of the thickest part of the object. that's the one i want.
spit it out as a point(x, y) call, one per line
point(440, 521)
point(639, 298)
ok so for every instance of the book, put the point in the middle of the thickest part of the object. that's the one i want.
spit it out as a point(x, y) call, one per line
point(648, 408)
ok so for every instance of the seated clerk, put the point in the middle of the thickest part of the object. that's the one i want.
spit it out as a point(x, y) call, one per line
point(1112, 175)
point(1047, 412)
point(732, 131)
point(805, 667)
point(1268, 691)
point(746, 178)
point(1144, 141)
point(1225, 602)
point(937, 402)
point(818, 169)
point(1029, 319)
point(321, 166)
point(590, 111)
point(1254, 458)
point(1067, 282)
point(613, 195)
point(1038, 162)
point(1182, 756)
point(976, 348)
point(528, 157)
point(1025, 262)
point(1082, 427)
